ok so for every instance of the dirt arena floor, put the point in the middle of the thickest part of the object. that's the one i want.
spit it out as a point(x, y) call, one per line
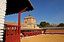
point(44, 38)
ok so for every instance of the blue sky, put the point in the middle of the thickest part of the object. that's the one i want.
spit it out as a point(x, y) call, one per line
point(51, 11)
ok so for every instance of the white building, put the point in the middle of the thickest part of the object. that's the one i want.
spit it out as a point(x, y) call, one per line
point(29, 22)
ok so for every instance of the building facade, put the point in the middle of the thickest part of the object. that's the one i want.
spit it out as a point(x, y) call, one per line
point(29, 22)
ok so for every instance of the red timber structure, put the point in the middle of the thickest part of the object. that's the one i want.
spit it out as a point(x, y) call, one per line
point(12, 32)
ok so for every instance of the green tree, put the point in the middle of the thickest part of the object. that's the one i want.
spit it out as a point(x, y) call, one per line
point(44, 24)
point(61, 25)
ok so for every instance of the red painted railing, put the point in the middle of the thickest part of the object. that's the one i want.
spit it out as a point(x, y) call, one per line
point(12, 32)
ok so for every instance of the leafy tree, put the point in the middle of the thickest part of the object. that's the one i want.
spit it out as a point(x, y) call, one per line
point(44, 24)
point(61, 25)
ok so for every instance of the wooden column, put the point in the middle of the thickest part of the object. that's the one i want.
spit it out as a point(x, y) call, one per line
point(19, 23)
point(19, 18)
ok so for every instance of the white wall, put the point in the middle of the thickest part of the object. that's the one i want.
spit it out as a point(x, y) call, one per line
point(2, 16)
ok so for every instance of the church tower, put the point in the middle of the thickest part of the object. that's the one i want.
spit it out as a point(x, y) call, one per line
point(30, 22)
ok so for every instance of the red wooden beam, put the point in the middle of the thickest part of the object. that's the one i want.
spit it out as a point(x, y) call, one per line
point(19, 16)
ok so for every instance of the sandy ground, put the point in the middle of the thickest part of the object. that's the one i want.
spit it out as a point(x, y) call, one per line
point(44, 38)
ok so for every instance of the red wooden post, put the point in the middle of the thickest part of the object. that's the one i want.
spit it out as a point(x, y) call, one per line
point(19, 18)
point(19, 21)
